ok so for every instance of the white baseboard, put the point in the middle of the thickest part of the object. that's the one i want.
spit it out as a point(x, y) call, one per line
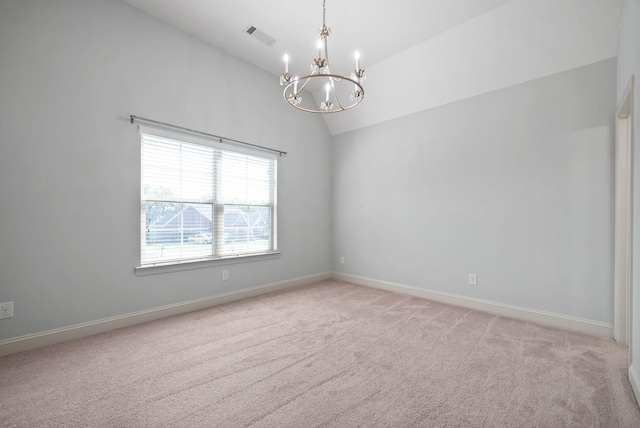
point(562, 321)
point(634, 379)
point(50, 337)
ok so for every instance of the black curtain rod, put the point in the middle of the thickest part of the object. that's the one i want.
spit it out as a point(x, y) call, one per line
point(144, 119)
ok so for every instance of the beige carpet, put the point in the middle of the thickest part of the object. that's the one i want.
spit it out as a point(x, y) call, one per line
point(328, 355)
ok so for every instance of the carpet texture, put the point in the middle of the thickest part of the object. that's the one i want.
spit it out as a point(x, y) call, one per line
point(331, 354)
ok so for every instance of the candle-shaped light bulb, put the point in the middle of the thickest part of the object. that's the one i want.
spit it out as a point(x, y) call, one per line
point(357, 56)
point(327, 88)
point(286, 63)
point(295, 85)
point(320, 49)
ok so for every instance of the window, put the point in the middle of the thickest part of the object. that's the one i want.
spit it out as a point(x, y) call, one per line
point(202, 202)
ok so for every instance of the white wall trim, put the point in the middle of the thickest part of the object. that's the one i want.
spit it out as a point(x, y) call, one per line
point(50, 337)
point(178, 266)
point(634, 379)
point(623, 254)
point(562, 321)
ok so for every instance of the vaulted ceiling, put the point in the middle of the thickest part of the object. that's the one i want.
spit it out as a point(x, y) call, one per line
point(418, 54)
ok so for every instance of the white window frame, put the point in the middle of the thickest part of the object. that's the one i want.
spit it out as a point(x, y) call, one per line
point(212, 260)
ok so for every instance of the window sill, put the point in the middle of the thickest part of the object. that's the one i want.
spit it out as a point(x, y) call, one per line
point(176, 266)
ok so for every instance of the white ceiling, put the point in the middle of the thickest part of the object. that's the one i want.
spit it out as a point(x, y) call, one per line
point(377, 29)
point(458, 45)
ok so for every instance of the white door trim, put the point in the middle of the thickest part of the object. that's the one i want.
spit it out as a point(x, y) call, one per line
point(624, 217)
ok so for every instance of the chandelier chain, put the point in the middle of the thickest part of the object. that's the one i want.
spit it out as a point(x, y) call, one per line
point(324, 12)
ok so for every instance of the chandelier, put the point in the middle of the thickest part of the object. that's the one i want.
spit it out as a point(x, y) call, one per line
point(340, 93)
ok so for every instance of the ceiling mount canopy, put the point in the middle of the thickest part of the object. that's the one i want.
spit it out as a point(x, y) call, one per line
point(339, 92)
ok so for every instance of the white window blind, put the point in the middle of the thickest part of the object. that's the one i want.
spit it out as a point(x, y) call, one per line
point(203, 202)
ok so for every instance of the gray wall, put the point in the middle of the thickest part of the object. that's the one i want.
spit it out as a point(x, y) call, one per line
point(515, 186)
point(70, 72)
point(629, 65)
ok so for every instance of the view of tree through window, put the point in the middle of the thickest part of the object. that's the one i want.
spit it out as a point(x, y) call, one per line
point(203, 202)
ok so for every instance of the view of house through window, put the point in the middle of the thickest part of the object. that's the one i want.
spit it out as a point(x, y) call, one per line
point(202, 202)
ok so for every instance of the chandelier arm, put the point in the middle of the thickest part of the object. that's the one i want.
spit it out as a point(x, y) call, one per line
point(301, 88)
point(333, 91)
point(325, 38)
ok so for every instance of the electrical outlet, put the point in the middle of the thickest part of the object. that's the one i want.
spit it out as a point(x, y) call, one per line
point(6, 310)
point(473, 279)
point(225, 275)
point(341, 260)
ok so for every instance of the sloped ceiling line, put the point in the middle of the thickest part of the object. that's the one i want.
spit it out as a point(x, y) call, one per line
point(418, 54)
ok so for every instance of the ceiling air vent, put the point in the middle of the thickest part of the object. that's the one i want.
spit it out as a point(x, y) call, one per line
point(260, 35)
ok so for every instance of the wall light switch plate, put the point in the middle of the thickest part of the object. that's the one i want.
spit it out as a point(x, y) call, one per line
point(473, 279)
point(225, 275)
